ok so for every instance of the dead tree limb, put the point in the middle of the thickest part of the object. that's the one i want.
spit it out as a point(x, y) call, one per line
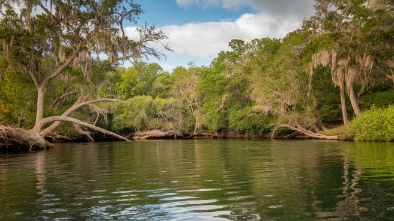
point(79, 122)
point(83, 132)
point(306, 132)
point(75, 106)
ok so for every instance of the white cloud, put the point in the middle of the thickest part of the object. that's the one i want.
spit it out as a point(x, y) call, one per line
point(200, 40)
point(203, 41)
point(206, 39)
point(276, 8)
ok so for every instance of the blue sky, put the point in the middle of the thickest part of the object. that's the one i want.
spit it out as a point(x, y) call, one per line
point(199, 29)
point(165, 12)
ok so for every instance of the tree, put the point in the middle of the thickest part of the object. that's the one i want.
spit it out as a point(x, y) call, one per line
point(184, 90)
point(236, 100)
point(46, 39)
point(357, 38)
point(280, 86)
point(138, 80)
point(212, 89)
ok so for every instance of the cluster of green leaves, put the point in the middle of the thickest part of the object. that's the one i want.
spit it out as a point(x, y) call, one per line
point(375, 124)
point(17, 95)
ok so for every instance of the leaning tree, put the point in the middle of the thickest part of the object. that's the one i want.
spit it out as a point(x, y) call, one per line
point(45, 39)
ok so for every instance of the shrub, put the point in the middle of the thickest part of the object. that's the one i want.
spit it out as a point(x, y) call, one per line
point(376, 124)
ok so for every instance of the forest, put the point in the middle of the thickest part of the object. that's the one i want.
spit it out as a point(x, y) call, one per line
point(333, 78)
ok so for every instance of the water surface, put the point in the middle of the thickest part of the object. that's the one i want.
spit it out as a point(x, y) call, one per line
point(200, 180)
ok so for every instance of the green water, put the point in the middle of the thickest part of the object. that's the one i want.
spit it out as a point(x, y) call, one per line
point(200, 180)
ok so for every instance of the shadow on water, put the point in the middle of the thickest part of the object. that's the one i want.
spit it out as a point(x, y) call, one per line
point(201, 180)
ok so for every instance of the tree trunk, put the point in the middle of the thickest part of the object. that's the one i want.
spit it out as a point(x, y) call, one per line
point(319, 123)
point(40, 111)
point(343, 105)
point(353, 99)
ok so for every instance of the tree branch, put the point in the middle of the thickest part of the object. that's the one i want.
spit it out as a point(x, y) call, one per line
point(79, 130)
point(75, 106)
point(307, 132)
point(61, 68)
point(48, 12)
point(79, 122)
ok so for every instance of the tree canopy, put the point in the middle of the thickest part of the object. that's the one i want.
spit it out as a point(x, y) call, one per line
point(56, 40)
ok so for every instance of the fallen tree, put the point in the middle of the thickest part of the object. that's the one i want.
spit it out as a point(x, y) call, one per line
point(48, 39)
point(154, 134)
point(299, 129)
point(22, 139)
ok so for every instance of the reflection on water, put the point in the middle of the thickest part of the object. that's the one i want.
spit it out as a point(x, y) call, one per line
point(200, 180)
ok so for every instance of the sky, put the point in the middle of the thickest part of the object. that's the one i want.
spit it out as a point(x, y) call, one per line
point(199, 29)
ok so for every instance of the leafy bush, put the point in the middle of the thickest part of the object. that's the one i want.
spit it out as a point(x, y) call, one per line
point(376, 124)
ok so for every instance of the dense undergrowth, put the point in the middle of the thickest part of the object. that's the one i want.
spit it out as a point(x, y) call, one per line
point(376, 124)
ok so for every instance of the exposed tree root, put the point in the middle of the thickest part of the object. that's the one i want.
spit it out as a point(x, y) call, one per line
point(20, 139)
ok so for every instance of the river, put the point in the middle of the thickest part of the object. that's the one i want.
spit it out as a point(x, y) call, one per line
point(200, 180)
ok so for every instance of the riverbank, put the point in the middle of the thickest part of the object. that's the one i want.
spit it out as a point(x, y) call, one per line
point(7, 146)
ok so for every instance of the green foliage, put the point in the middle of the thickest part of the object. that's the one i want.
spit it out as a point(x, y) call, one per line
point(212, 88)
point(138, 81)
point(245, 120)
point(17, 96)
point(376, 124)
point(279, 84)
point(146, 113)
point(161, 85)
point(134, 115)
point(188, 97)
point(380, 99)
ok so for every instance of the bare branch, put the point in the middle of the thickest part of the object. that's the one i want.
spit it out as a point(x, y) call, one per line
point(79, 129)
point(79, 122)
point(307, 132)
point(76, 105)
